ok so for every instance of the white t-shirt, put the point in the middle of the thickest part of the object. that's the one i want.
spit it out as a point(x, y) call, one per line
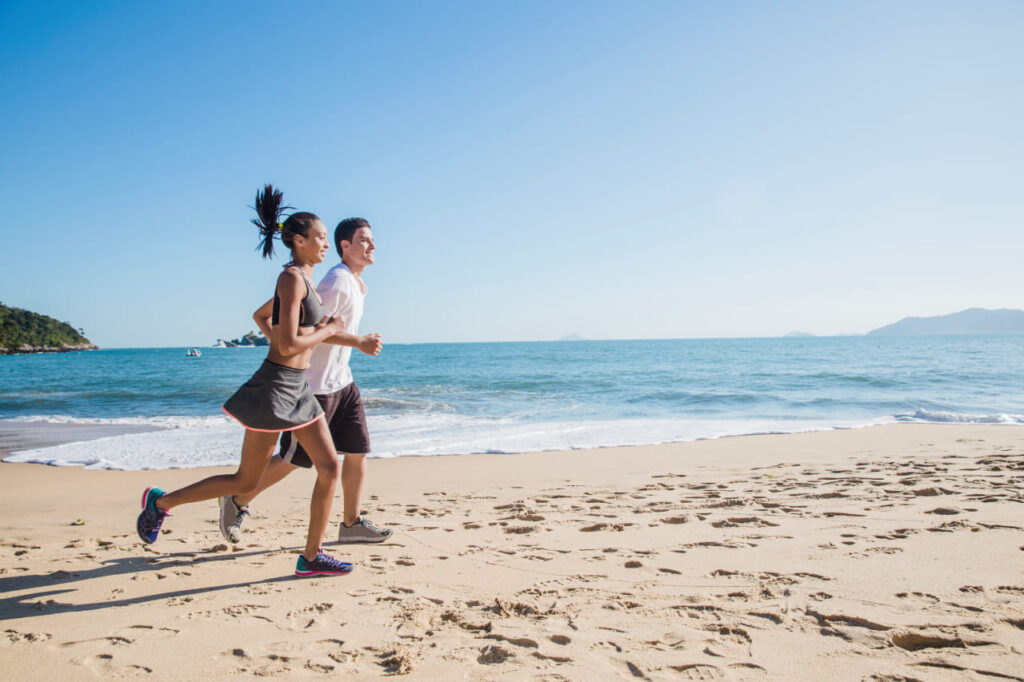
point(342, 296)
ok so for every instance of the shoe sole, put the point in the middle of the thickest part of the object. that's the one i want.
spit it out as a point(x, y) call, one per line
point(356, 541)
point(311, 574)
point(220, 523)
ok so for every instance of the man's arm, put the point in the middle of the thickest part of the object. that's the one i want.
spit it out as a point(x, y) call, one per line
point(335, 298)
point(368, 343)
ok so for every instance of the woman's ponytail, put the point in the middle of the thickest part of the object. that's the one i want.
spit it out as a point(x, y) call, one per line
point(269, 207)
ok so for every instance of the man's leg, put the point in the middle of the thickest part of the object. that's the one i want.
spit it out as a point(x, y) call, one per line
point(275, 473)
point(353, 473)
point(235, 509)
point(355, 527)
point(348, 429)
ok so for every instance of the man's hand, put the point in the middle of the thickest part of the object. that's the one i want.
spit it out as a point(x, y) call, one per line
point(370, 344)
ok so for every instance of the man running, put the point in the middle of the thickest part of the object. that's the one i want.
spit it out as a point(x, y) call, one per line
point(342, 291)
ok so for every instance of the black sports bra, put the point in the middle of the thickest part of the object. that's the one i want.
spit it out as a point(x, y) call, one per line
point(311, 311)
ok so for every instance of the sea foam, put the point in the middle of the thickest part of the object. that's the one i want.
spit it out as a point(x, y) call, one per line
point(939, 417)
point(184, 442)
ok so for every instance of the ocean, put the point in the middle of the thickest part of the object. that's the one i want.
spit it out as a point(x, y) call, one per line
point(454, 398)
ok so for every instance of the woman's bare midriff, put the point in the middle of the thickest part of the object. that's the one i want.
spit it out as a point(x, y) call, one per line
point(297, 361)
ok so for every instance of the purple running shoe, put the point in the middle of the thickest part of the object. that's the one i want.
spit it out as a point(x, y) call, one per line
point(324, 564)
point(151, 518)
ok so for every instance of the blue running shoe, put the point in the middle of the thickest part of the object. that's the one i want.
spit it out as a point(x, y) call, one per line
point(324, 564)
point(151, 518)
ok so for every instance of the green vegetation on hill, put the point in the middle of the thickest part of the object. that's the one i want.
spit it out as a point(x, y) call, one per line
point(19, 328)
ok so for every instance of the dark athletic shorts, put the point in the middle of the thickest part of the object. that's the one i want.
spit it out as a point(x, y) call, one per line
point(343, 411)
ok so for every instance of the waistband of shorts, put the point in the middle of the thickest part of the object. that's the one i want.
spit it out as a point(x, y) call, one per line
point(278, 365)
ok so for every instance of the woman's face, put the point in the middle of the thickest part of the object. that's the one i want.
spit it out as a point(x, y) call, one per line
point(314, 246)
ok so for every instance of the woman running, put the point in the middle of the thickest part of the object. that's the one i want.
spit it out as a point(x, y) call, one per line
point(277, 397)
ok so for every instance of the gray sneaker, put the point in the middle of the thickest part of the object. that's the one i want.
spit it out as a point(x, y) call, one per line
point(362, 530)
point(231, 517)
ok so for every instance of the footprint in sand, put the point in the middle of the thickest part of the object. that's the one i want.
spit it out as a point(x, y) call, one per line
point(520, 530)
point(734, 521)
point(98, 643)
point(309, 617)
point(333, 649)
point(396, 661)
point(493, 654)
point(910, 640)
point(230, 613)
point(271, 666)
point(747, 671)
point(104, 666)
point(134, 631)
point(617, 527)
point(918, 596)
point(319, 665)
point(698, 671)
point(15, 637)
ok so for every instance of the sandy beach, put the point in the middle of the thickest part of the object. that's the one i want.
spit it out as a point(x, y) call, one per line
point(883, 553)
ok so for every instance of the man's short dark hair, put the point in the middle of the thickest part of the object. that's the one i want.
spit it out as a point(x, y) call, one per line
point(346, 228)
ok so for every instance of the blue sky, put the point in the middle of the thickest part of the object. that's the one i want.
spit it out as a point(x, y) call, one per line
point(616, 169)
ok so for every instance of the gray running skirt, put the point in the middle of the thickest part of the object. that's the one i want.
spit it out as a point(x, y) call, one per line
point(277, 398)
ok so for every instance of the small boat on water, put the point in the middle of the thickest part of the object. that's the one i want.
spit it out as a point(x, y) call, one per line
point(193, 353)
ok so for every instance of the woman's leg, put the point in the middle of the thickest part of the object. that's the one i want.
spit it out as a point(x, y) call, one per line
point(315, 439)
point(276, 470)
point(257, 447)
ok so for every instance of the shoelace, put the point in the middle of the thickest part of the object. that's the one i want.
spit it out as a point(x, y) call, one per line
point(329, 562)
point(156, 512)
point(372, 526)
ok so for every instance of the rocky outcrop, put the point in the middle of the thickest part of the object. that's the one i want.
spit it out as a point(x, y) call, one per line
point(250, 340)
point(25, 349)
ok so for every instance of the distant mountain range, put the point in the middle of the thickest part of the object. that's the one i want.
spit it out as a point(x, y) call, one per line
point(970, 321)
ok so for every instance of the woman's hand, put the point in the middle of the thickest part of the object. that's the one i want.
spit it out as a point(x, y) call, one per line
point(333, 325)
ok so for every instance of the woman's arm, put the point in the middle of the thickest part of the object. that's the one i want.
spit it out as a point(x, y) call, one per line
point(291, 287)
point(262, 317)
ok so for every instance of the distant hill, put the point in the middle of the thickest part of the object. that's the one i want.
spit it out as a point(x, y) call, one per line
point(23, 331)
point(970, 321)
point(572, 337)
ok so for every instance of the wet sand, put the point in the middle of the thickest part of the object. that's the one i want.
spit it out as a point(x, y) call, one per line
point(17, 435)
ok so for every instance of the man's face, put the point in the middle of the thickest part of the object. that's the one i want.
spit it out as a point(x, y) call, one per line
point(359, 251)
